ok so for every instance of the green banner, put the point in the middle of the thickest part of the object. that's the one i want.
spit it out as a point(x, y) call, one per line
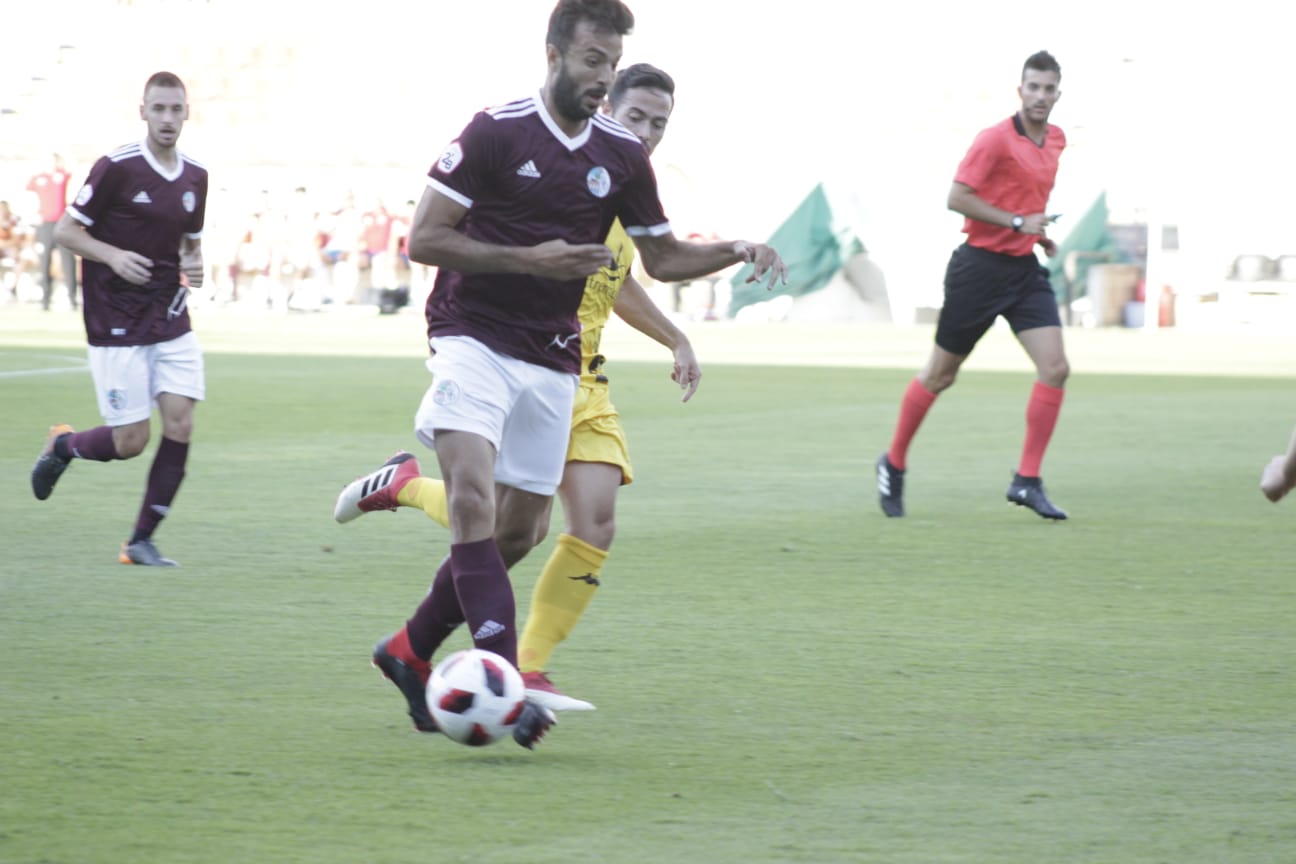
point(810, 247)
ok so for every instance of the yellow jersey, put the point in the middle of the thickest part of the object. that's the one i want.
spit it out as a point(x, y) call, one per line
point(601, 291)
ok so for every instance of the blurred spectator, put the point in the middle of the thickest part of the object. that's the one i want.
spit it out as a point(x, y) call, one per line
point(51, 190)
point(302, 256)
point(8, 229)
point(254, 257)
point(376, 269)
point(11, 248)
point(341, 230)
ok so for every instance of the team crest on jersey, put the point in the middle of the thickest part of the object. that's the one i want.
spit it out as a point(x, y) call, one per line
point(189, 200)
point(445, 393)
point(450, 159)
point(599, 181)
point(116, 399)
point(84, 195)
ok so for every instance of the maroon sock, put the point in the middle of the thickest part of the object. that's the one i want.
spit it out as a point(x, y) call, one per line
point(163, 483)
point(437, 616)
point(486, 596)
point(94, 444)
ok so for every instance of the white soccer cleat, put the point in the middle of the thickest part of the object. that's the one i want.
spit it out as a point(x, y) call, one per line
point(540, 690)
point(376, 491)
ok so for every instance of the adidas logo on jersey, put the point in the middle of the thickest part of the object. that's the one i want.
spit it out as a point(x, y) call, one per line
point(142, 197)
point(529, 169)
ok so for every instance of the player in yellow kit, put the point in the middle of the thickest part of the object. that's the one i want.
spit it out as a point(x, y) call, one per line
point(598, 460)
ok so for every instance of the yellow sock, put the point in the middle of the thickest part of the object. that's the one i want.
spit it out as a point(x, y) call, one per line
point(564, 589)
point(429, 495)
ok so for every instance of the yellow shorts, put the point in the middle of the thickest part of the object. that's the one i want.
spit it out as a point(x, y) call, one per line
point(596, 434)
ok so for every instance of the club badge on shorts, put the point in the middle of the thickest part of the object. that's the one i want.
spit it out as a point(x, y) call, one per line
point(445, 393)
point(116, 399)
point(599, 181)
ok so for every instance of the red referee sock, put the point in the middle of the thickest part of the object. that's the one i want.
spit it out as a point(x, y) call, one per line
point(913, 408)
point(1041, 416)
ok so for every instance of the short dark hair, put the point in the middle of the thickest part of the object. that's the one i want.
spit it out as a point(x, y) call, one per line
point(1041, 61)
point(641, 75)
point(611, 16)
point(164, 79)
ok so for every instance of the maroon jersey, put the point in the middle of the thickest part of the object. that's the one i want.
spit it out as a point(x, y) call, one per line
point(524, 182)
point(132, 202)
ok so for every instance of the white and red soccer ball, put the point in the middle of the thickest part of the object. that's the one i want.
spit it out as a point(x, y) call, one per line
point(475, 696)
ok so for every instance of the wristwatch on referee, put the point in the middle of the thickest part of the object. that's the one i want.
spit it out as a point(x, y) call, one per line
point(1017, 222)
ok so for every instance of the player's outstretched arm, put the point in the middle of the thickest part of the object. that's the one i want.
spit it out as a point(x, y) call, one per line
point(1279, 476)
point(436, 241)
point(636, 308)
point(669, 259)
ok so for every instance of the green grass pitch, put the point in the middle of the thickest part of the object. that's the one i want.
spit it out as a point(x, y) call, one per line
point(782, 674)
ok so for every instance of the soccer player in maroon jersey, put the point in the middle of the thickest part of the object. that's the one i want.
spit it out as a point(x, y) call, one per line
point(515, 215)
point(598, 459)
point(137, 223)
point(1002, 188)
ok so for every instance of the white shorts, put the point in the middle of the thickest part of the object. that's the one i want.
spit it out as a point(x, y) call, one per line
point(128, 379)
point(523, 409)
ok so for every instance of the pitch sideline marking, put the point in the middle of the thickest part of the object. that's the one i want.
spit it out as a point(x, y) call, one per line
point(82, 365)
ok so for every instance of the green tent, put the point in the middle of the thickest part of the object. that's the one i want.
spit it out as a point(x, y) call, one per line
point(1092, 243)
point(810, 247)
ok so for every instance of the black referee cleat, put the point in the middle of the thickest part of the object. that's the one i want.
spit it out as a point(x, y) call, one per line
point(890, 485)
point(1029, 492)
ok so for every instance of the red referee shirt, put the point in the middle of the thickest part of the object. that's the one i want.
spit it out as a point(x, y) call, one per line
point(1004, 167)
point(51, 189)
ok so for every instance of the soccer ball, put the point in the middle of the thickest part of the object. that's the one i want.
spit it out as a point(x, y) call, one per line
point(475, 696)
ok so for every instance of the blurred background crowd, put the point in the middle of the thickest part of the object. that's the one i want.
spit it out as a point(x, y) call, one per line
point(285, 249)
point(318, 125)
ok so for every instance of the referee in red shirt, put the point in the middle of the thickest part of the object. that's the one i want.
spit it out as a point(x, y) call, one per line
point(51, 190)
point(1001, 188)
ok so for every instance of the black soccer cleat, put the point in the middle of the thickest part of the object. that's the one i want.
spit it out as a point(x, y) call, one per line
point(49, 465)
point(532, 725)
point(411, 685)
point(890, 485)
point(1029, 492)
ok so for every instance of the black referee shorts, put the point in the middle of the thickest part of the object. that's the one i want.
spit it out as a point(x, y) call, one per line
point(981, 285)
